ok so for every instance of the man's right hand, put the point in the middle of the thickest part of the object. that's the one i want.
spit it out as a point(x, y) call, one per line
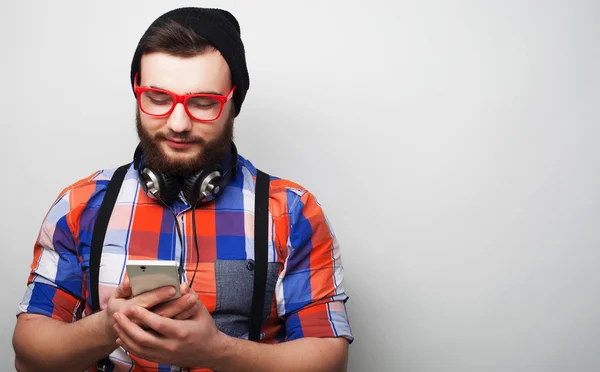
point(122, 300)
point(181, 308)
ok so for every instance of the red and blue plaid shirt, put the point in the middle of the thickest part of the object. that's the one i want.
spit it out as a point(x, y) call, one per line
point(305, 273)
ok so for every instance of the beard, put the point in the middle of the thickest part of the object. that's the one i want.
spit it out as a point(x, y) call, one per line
point(212, 151)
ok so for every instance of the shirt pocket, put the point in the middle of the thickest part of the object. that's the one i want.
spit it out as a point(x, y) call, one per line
point(234, 288)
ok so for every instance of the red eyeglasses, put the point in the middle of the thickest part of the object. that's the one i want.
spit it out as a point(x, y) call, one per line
point(201, 107)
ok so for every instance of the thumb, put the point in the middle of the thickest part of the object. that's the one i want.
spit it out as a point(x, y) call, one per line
point(124, 289)
point(202, 310)
point(184, 288)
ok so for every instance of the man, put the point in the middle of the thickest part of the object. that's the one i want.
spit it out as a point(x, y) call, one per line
point(190, 78)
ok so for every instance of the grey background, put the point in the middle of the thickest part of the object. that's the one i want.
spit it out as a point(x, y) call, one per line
point(453, 146)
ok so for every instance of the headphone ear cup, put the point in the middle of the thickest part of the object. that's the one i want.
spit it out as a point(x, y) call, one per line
point(204, 185)
point(159, 185)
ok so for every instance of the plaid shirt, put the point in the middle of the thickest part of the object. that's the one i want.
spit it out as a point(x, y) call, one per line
point(305, 273)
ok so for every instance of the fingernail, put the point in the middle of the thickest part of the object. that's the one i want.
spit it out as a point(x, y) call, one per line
point(171, 291)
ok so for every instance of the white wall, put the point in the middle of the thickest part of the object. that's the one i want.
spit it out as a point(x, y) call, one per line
point(454, 146)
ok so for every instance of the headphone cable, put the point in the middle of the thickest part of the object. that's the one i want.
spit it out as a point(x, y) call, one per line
point(194, 231)
point(195, 243)
point(179, 234)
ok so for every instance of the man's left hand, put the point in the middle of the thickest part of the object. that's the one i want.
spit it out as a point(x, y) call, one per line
point(182, 308)
point(185, 343)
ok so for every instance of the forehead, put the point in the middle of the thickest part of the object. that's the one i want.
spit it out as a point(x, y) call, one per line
point(204, 72)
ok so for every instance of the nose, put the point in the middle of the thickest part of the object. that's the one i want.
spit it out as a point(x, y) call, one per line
point(179, 121)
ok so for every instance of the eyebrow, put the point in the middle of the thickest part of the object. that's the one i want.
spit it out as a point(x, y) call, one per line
point(200, 92)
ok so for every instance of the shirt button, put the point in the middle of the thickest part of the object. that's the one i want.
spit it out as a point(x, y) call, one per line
point(250, 265)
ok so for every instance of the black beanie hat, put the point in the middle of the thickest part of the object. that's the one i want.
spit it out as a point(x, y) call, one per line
point(222, 30)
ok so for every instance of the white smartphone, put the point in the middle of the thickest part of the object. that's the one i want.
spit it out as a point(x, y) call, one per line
point(146, 275)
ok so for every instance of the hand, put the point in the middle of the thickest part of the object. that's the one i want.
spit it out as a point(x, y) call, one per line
point(186, 343)
point(182, 308)
point(121, 300)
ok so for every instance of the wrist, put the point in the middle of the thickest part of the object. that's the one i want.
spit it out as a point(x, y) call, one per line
point(223, 347)
point(105, 326)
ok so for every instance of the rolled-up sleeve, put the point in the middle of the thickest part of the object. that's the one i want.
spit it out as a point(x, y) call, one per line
point(55, 283)
point(310, 291)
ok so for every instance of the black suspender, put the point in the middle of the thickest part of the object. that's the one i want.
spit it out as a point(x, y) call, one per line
point(106, 208)
point(261, 232)
point(261, 253)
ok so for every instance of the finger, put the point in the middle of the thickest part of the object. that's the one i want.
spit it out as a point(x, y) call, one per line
point(152, 298)
point(187, 314)
point(185, 289)
point(201, 311)
point(164, 326)
point(191, 291)
point(134, 335)
point(193, 303)
point(124, 289)
point(172, 308)
point(124, 341)
point(132, 347)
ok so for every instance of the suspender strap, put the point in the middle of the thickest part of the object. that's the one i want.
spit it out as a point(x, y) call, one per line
point(261, 251)
point(261, 244)
point(100, 226)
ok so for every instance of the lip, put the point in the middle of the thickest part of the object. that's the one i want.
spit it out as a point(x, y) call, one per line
point(178, 144)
